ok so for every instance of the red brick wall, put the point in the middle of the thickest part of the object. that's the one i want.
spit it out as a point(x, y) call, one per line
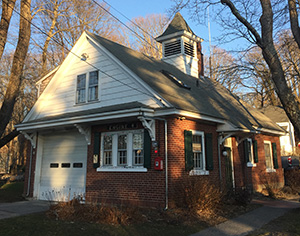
point(149, 188)
point(176, 155)
point(256, 177)
point(124, 187)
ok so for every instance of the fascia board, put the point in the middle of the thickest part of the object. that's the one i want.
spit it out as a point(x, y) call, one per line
point(280, 133)
point(179, 34)
point(188, 114)
point(85, 119)
point(159, 99)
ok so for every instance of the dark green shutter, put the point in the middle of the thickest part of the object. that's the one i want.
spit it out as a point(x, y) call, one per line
point(275, 160)
point(209, 151)
point(188, 150)
point(147, 150)
point(246, 150)
point(255, 153)
point(96, 149)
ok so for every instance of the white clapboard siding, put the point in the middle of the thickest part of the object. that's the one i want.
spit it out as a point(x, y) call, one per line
point(115, 84)
point(62, 184)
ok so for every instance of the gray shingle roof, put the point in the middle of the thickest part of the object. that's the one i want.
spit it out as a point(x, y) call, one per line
point(275, 113)
point(178, 24)
point(205, 97)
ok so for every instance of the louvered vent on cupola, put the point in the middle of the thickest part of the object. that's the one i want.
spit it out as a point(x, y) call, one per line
point(189, 49)
point(172, 48)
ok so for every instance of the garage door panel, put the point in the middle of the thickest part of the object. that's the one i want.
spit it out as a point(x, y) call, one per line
point(63, 169)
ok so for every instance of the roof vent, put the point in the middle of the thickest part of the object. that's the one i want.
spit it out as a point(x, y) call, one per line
point(189, 49)
point(172, 48)
point(174, 79)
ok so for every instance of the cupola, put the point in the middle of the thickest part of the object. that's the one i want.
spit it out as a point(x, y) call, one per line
point(181, 47)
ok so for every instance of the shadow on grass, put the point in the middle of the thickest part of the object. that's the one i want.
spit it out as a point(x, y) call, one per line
point(39, 224)
point(11, 192)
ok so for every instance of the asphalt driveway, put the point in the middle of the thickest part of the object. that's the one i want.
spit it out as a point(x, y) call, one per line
point(8, 210)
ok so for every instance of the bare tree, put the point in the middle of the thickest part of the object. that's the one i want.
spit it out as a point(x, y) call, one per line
point(148, 28)
point(63, 21)
point(15, 79)
point(256, 21)
point(223, 69)
point(7, 10)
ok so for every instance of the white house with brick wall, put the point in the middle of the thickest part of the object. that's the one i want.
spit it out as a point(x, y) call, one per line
point(114, 125)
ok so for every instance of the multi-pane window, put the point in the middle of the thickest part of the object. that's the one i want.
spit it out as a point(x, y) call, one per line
point(81, 83)
point(250, 150)
point(87, 87)
point(124, 148)
point(137, 147)
point(268, 155)
point(93, 86)
point(198, 150)
point(107, 150)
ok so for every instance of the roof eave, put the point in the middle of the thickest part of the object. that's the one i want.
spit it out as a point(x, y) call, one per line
point(184, 113)
point(178, 34)
point(84, 119)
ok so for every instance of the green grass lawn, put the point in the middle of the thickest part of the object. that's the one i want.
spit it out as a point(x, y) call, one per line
point(40, 224)
point(287, 225)
point(11, 192)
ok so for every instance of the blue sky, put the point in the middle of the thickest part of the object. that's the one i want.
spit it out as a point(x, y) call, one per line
point(135, 8)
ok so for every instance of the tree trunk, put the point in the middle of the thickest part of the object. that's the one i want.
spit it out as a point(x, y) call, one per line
point(49, 37)
point(285, 94)
point(265, 42)
point(7, 10)
point(294, 20)
point(14, 83)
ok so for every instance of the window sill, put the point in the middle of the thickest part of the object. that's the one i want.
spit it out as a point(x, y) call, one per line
point(121, 169)
point(199, 172)
point(250, 164)
point(86, 103)
point(270, 170)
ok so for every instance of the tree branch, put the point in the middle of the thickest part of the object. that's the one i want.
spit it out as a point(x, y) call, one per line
point(294, 21)
point(246, 23)
point(6, 139)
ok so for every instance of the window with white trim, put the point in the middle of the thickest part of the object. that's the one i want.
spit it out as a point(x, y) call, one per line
point(87, 87)
point(268, 155)
point(250, 153)
point(198, 150)
point(122, 149)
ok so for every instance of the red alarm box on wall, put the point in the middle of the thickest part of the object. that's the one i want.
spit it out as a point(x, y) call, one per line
point(158, 163)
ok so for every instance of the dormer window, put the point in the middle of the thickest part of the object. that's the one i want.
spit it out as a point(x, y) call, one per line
point(87, 87)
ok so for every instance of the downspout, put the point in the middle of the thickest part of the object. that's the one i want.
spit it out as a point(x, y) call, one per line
point(166, 163)
point(220, 165)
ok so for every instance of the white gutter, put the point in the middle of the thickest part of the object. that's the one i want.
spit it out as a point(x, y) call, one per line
point(195, 115)
point(82, 119)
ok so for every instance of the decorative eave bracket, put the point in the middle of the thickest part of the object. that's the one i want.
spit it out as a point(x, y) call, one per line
point(149, 124)
point(30, 137)
point(241, 139)
point(86, 131)
point(222, 138)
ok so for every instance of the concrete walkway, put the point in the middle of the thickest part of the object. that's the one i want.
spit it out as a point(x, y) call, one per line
point(14, 209)
point(251, 221)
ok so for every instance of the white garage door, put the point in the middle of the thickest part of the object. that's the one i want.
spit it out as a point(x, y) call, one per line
point(63, 170)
